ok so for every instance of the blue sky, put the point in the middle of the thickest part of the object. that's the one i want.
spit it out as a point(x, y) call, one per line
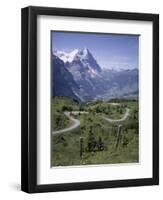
point(110, 50)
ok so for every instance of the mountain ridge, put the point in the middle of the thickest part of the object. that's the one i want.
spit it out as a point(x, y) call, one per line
point(86, 80)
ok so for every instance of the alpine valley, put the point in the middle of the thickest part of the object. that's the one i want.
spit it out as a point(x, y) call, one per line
point(78, 75)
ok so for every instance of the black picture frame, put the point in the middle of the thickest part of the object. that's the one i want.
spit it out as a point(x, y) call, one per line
point(29, 99)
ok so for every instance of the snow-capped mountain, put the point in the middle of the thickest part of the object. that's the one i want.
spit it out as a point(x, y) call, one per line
point(77, 74)
point(84, 69)
point(66, 57)
point(79, 61)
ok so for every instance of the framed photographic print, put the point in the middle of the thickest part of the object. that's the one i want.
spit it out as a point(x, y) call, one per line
point(90, 99)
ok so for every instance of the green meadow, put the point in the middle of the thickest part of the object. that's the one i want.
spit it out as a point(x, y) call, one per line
point(108, 132)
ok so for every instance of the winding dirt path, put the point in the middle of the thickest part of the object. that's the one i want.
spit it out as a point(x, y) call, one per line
point(76, 122)
point(127, 113)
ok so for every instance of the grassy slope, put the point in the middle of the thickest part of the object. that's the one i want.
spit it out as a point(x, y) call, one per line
point(66, 147)
point(59, 105)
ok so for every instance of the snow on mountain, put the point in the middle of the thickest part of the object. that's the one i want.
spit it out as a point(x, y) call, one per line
point(75, 54)
point(81, 57)
point(84, 68)
point(77, 74)
point(119, 68)
point(66, 57)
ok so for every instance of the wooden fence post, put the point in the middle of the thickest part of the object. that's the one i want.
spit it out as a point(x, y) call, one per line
point(81, 147)
point(118, 135)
